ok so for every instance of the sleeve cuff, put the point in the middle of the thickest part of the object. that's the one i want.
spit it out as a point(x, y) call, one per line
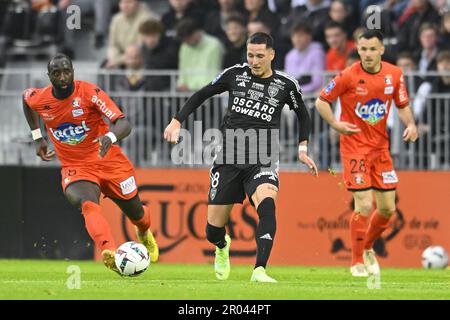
point(326, 100)
point(402, 105)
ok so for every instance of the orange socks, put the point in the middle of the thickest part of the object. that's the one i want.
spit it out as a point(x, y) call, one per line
point(358, 227)
point(97, 226)
point(144, 223)
point(378, 223)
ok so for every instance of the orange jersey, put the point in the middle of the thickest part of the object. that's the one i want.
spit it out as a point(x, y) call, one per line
point(73, 123)
point(366, 100)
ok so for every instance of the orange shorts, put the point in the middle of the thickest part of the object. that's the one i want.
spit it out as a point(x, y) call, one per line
point(114, 174)
point(371, 171)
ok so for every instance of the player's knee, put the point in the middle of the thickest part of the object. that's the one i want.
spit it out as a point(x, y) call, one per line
point(77, 201)
point(135, 213)
point(81, 201)
point(364, 207)
point(214, 234)
point(387, 211)
point(266, 191)
point(77, 196)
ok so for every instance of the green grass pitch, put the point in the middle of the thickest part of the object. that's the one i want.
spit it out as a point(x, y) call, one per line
point(44, 279)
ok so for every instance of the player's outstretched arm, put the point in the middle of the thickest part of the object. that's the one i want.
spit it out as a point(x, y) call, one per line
point(406, 116)
point(119, 130)
point(39, 141)
point(172, 131)
point(326, 113)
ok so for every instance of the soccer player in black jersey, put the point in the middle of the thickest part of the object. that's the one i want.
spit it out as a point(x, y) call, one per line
point(257, 95)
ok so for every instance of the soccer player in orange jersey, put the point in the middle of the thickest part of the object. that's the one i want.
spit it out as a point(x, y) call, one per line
point(367, 91)
point(92, 163)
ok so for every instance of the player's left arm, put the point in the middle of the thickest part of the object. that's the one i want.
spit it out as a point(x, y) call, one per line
point(297, 104)
point(120, 127)
point(407, 117)
point(401, 100)
point(119, 130)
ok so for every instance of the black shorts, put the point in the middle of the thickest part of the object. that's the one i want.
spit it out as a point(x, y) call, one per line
point(229, 183)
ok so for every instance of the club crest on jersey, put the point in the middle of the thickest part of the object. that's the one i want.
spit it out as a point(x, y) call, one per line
point(70, 133)
point(388, 79)
point(76, 103)
point(372, 112)
point(359, 179)
point(273, 91)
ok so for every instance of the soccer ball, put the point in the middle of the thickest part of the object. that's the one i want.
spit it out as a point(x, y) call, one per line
point(435, 257)
point(132, 259)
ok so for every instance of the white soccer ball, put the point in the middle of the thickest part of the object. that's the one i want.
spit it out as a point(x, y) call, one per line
point(132, 259)
point(435, 257)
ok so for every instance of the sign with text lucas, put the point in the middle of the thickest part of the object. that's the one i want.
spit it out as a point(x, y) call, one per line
point(312, 219)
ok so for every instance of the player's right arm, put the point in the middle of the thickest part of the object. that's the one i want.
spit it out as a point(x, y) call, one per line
point(218, 85)
point(331, 92)
point(39, 142)
point(404, 110)
point(120, 127)
point(324, 109)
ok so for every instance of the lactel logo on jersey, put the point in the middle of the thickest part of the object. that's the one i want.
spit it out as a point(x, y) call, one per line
point(70, 133)
point(103, 108)
point(373, 111)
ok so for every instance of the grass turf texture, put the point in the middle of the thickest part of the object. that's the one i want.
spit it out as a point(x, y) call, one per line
point(44, 279)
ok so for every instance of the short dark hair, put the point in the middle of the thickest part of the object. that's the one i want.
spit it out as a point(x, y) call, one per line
point(348, 8)
point(263, 22)
point(353, 54)
point(333, 24)
point(405, 55)
point(59, 56)
point(261, 38)
point(236, 17)
point(187, 27)
point(445, 16)
point(150, 27)
point(301, 27)
point(427, 25)
point(443, 56)
point(371, 33)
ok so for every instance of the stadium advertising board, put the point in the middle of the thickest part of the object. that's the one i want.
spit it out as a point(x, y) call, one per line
point(312, 219)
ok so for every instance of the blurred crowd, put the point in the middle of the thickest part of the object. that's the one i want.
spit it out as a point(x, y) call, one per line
point(200, 37)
